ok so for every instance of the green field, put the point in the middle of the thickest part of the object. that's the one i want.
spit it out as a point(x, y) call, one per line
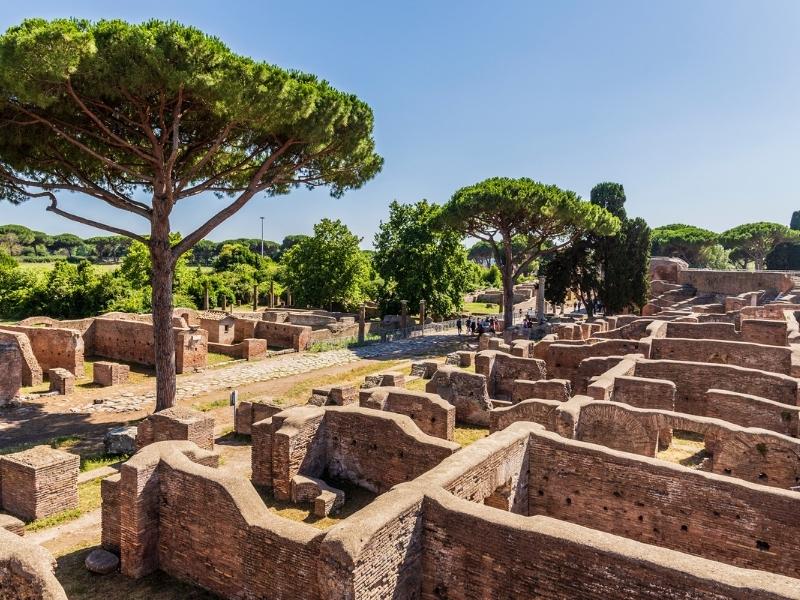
point(47, 266)
point(481, 308)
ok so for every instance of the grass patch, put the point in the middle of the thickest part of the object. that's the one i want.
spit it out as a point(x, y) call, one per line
point(417, 385)
point(215, 358)
point(80, 584)
point(327, 345)
point(88, 500)
point(468, 434)
point(96, 461)
point(138, 374)
point(302, 391)
point(211, 404)
point(356, 498)
point(481, 308)
point(687, 449)
point(63, 442)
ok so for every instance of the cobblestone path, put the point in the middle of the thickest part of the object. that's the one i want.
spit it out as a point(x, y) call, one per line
point(273, 368)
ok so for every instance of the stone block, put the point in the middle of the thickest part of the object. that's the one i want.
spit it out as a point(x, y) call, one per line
point(465, 358)
point(337, 395)
point(177, 423)
point(253, 349)
point(253, 411)
point(39, 482)
point(120, 440)
point(424, 368)
point(110, 373)
point(61, 381)
point(11, 373)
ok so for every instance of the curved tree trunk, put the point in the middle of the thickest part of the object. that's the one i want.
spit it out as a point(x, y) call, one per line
point(163, 338)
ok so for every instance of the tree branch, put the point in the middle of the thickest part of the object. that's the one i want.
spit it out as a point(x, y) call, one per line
point(54, 209)
point(254, 187)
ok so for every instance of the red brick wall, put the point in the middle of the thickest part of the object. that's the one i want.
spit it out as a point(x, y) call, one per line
point(658, 503)
point(742, 354)
point(429, 412)
point(751, 411)
point(471, 551)
point(54, 347)
point(693, 380)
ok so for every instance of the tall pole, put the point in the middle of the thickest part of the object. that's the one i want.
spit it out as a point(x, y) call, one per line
point(262, 237)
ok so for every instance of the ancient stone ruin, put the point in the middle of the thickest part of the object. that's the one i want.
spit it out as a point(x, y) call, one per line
point(572, 495)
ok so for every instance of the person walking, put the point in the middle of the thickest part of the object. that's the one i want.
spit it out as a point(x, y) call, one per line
point(458, 325)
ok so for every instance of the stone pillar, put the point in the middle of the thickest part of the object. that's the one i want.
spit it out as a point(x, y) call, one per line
point(422, 315)
point(404, 316)
point(362, 318)
point(205, 296)
point(255, 297)
point(288, 298)
point(272, 294)
point(540, 305)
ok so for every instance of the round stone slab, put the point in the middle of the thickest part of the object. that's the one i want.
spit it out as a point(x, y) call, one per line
point(101, 561)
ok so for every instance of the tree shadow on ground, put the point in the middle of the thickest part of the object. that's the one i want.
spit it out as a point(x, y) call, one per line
point(80, 584)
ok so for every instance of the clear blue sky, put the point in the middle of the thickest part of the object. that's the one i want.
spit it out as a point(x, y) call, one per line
point(694, 105)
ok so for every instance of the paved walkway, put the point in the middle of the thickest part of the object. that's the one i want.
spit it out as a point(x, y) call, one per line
point(273, 368)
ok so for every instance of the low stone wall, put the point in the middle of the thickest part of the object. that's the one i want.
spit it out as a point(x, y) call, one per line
point(751, 411)
point(430, 412)
point(534, 410)
point(373, 449)
point(703, 331)
point(30, 372)
point(563, 360)
point(742, 354)
point(765, 331)
point(54, 347)
point(249, 412)
point(642, 392)
point(466, 391)
point(501, 370)
point(247, 349)
point(11, 373)
point(132, 341)
point(284, 335)
point(733, 283)
point(654, 502)
point(547, 389)
point(694, 379)
point(26, 570)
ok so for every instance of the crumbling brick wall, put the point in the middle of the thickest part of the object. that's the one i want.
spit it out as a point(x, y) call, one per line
point(284, 335)
point(466, 391)
point(536, 410)
point(501, 370)
point(177, 423)
point(132, 341)
point(26, 570)
point(54, 347)
point(563, 360)
point(693, 380)
point(742, 524)
point(11, 372)
point(763, 331)
point(743, 354)
point(751, 411)
point(29, 370)
point(430, 412)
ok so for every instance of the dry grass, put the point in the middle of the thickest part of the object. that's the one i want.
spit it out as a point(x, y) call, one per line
point(417, 384)
point(468, 434)
point(80, 584)
point(356, 498)
point(687, 449)
point(300, 392)
point(138, 374)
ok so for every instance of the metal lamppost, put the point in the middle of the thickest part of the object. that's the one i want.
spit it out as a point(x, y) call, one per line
point(262, 237)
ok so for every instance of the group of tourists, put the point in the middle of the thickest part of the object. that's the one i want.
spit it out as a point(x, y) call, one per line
point(477, 326)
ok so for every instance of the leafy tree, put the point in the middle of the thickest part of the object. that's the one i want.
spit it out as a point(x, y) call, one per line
point(753, 241)
point(69, 243)
point(795, 222)
point(546, 219)
point(611, 269)
point(481, 252)
point(784, 257)
point(418, 261)
point(327, 268)
point(10, 243)
point(683, 241)
point(119, 111)
point(204, 252)
point(492, 277)
point(291, 240)
point(109, 248)
point(236, 254)
point(715, 257)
